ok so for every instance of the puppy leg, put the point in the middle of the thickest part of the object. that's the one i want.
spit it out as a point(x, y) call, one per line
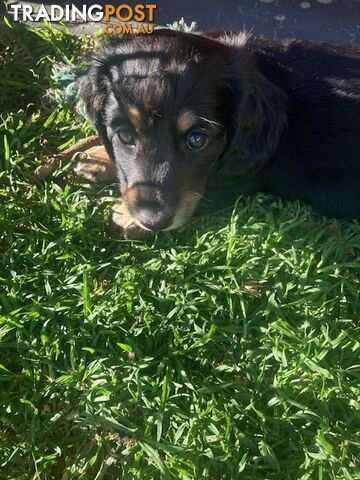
point(123, 222)
point(96, 167)
point(49, 165)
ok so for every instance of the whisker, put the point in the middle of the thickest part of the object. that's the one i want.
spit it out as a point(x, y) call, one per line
point(196, 194)
point(211, 122)
point(105, 187)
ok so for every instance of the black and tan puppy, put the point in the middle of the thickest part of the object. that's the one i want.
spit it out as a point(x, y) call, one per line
point(189, 117)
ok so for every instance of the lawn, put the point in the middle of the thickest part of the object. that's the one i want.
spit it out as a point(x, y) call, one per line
point(226, 350)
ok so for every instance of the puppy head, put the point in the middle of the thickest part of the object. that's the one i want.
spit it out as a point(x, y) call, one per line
point(168, 107)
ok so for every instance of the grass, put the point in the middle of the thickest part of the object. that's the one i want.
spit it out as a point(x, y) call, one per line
point(227, 350)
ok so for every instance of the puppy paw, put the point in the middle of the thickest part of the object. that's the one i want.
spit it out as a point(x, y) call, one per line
point(123, 223)
point(95, 166)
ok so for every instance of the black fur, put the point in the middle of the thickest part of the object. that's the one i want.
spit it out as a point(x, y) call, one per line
point(289, 111)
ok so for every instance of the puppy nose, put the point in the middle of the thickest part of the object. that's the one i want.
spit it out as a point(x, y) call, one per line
point(153, 216)
point(151, 206)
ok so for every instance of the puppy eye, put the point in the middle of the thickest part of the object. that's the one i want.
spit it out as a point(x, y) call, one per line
point(127, 136)
point(196, 140)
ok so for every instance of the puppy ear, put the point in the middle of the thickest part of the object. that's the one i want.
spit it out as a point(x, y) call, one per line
point(258, 121)
point(93, 90)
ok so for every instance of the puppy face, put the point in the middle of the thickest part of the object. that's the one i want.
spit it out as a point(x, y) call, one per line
point(166, 134)
point(166, 107)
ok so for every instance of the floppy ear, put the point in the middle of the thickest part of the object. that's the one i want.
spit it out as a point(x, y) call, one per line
point(259, 118)
point(93, 89)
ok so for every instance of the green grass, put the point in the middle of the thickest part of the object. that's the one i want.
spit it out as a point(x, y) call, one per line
point(227, 350)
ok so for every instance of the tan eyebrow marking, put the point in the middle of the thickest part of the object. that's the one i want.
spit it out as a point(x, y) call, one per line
point(135, 116)
point(185, 121)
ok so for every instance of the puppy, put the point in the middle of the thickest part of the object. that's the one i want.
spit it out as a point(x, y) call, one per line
point(204, 118)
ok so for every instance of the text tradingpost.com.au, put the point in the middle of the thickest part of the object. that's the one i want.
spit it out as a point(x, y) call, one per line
point(142, 14)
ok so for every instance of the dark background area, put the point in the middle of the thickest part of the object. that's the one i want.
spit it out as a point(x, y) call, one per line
point(336, 21)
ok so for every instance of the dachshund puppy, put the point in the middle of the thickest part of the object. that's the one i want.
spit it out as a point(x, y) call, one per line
point(189, 119)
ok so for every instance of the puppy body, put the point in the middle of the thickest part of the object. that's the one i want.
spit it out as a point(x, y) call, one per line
point(318, 156)
point(186, 117)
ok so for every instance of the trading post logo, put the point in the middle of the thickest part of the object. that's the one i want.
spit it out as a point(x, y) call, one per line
point(115, 19)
